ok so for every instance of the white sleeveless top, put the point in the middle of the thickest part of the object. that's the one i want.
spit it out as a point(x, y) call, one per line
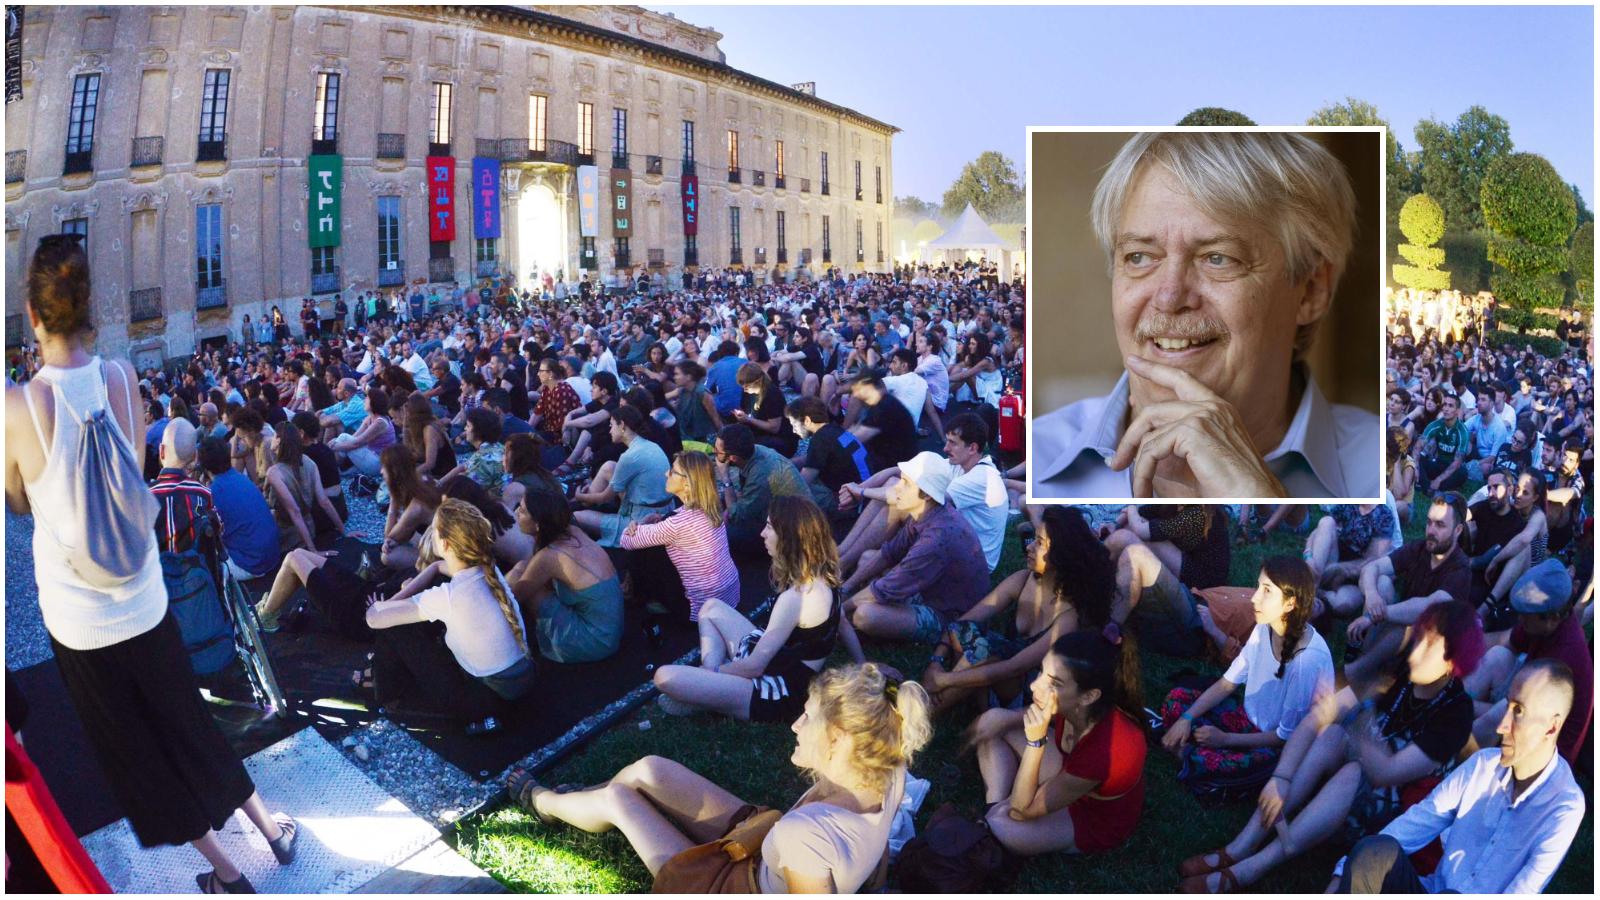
point(79, 616)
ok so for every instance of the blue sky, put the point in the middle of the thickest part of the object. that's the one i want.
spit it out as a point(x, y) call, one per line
point(960, 80)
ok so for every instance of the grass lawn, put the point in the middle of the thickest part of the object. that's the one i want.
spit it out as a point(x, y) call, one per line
point(752, 761)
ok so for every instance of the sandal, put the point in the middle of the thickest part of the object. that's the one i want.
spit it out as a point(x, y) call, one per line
point(1227, 883)
point(1197, 865)
point(212, 883)
point(283, 847)
point(523, 788)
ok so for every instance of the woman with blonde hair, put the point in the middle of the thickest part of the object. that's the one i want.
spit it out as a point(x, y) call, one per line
point(484, 659)
point(761, 674)
point(856, 734)
point(1402, 473)
point(694, 537)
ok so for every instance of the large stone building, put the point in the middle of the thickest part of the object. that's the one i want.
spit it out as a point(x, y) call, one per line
point(182, 140)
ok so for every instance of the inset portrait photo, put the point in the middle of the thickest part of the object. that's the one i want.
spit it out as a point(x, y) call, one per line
point(1204, 321)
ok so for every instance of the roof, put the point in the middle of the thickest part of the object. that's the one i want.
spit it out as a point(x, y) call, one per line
point(969, 231)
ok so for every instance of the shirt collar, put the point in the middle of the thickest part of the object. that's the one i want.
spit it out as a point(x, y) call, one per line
point(1504, 781)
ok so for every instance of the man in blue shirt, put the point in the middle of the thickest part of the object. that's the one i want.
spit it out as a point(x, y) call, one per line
point(1488, 432)
point(722, 379)
point(249, 533)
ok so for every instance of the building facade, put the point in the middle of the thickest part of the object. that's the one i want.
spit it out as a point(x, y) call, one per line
point(190, 144)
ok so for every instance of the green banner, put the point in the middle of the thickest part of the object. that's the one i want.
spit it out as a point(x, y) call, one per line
point(322, 209)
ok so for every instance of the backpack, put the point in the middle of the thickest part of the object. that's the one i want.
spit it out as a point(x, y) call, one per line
point(954, 855)
point(193, 598)
point(113, 532)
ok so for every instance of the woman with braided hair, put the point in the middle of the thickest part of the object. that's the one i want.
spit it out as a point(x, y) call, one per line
point(479, 657)
point(1285, 668)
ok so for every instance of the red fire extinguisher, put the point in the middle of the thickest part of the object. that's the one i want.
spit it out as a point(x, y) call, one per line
point(1011, 410)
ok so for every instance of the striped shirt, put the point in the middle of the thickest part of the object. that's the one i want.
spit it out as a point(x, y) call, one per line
point(184, 502)
point(700, 552)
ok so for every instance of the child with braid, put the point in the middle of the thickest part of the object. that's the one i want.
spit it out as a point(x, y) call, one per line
point(1285, 667)
point(484, 659)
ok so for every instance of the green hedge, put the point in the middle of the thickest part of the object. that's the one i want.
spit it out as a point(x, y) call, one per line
point(1546, 346)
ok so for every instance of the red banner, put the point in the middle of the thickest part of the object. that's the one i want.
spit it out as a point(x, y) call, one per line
point(441, 198)
point(691, 205)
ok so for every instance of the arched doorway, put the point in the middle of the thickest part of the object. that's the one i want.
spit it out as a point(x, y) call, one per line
point(539, 231)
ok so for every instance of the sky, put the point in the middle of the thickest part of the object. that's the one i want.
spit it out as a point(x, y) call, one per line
point(959, 80)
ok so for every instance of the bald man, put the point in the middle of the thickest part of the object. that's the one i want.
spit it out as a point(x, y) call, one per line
point(185, 502)
point(211, 425)
point(345, 416)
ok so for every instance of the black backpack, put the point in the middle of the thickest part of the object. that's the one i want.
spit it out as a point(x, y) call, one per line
point(954, 855)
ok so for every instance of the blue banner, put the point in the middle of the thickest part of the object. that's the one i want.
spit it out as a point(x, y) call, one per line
point(485, 197)
point(588, 201)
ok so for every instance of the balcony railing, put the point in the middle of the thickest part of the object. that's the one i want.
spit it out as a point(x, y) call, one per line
point(783, 256)
point(735, 257)
point(211, 297)
point(325, 282)
point(760, 179)
point(325, 146)
point(486, 268)
point(691, 257)
point(620, 160)
point(621, 260)
point(734, 176)
point(860, 257)
point(560, 153)
point(688, 167)
point(880, 257)
point(212, 150)
point(144, 304)
point(827, 255)
point(805, 257)
point(585, 159)
point(148, 151)
point(880, 198)
point(824, 189)
point(16, 166)
point(438, 148)
point(16, 330)
point(658, 258)
point(778, 182)
point(392, 277)
point(859, 195)
point(391, 146)
point(78, 162)
point(441, 270)
point(652, 165)
point(761, 256)
point(487, 147)
point(805, 185)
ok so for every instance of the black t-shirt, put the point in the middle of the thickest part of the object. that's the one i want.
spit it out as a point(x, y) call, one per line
point(1438, 726)
point(813, 361)
point(1415, 576)
point(276, 415)
point(838, 457)
point(516, 379)
point(896, 440)
point(450, 394)
point(770, 405)
point(1491, 528)
point(1518, 461)
point(600, 435)
point(327, 463)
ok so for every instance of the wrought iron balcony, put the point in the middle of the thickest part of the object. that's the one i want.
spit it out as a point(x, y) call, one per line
point(437, 148)
point(652, 165)
point(394, 277)
point(144, 304)
point(148, 151)
point(760, 179)
point(620, 161)
point(761, 256)
point(621, 259)
point(78, 162)
point(735, 257)
point(585, 159)
point(691, 257)
point(391, 146)
point(211, 297)
point(559, 153)
point(734, 176)
point(486, 268)
point(880, 198)
point(488, 147)
point(805, 257)
point(778, 182)
point(658, 258)
point(441, 270)
point(325, 146)
point(805, 185)
point(860, 257)
point(16, 166)
point(783, 256)
point(880, 257)
point(325, 282)
point(824, 189)
point(688, 167)
point(827, 255)
point(212, 149)
point(859, 195)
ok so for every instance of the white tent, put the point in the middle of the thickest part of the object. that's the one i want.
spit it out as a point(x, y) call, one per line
point(971, 233)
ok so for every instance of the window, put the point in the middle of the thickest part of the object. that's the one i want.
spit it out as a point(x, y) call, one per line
point(208, 245)
point(688, 142)
point(80, 124)
point(325, 121)
point(783, 242)
point(214, 106)
point(322, 261)
point(734, 243)
point(824, 158)
point(691, 250)
point(623, 248)
point(619, 132)
point(861, 247)
point(777, 161)
point(858, 179)
point(827, 241)
point(538, 120)
point(484, 250)
point(877, 181)
point(586, 129)
point(586, 257)
point(733, 150)
point(439, 127)
point(77, 226)
point(388, 233)
point(879, 239)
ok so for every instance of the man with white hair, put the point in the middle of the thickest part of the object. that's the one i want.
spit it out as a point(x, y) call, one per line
point(1225, 250)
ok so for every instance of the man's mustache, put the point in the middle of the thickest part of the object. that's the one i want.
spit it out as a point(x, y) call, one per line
point(1189, 327)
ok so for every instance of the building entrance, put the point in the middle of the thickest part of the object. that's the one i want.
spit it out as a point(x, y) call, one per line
point(539, 233)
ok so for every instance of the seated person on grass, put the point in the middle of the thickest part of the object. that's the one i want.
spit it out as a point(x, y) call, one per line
point(487, 463)
point(525, 471)
point(885, 429)
point(1347, 538)
point(1284, 668)
point(1443, 449)
point(1395, 589)
point(1547, 627)
point(345, 416)
point(1564, 486)
point(484, 659)
point(1161, 553)
point(834, 457)
point(762, 674)
point(1507, 544)
point(1066, 774)
point(412, 502)
point(568, 585)
point(761, 409)
point(1066, 584)
point(694, 539)
point(636, 482)
point(749, 475)
point(1506, 817)
point(1353, 764)
point(249, 533)
point(925, 577)
point(586, 429)
point(856, 736)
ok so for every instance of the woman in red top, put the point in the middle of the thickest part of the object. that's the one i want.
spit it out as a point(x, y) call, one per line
point(1067, 773)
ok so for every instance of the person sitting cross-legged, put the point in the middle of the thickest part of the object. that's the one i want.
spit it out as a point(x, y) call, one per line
point(1162, 554)
point(856, 736)
point(1066, 774)
point(694, 538)
point(928, 575)
point(762, 674)
point(1067, 584)
point(1346, 539)
point(1351, 761)
point(568, 584)
point(1506, 816)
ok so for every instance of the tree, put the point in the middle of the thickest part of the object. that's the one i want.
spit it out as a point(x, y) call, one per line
point(1422, 222)
point(1581, 261)
point(991, 185)
point(1397, 174)
point(1531, 214)
point(914, 208)
point(1454, 158)
point(1584, 215)
point(1215, 115)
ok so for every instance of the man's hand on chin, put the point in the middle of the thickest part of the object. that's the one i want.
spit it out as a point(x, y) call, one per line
point(1200, 431)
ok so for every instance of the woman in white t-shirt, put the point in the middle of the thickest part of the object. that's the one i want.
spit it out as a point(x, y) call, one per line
point(858, 733)
point(1285, 667)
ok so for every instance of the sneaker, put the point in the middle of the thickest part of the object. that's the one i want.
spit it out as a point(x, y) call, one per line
point(675, 707)
point(267, 623)
point(283, 847)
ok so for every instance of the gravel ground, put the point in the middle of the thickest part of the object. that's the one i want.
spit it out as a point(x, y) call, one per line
point(27, 643)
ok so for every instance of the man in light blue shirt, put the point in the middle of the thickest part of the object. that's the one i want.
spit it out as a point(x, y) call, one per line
point(1488, 432)
point(1225, 251)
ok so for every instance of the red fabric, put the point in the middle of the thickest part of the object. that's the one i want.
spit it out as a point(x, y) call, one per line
point(1570, 645)
point(690, 187)
point(1427, 859)
point(52, 840)
point(1112, 753)
point(441, 198)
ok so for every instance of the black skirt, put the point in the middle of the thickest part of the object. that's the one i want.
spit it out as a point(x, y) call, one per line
point(169, 767)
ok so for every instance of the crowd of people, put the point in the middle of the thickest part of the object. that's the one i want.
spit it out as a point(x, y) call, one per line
point(548, 463)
